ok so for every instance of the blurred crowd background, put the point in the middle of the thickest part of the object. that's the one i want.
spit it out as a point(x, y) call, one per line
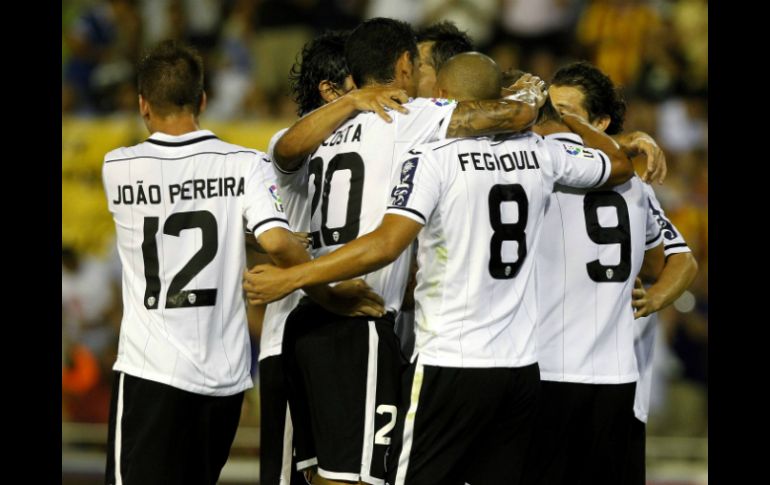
point(656, 50)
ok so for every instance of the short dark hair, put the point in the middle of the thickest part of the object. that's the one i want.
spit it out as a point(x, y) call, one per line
point(448, 42)
point(170, 78)
point(374, 47)
point(602, 98)
point(322, 59)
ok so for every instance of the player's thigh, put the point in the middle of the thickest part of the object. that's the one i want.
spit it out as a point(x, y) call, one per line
point(498, 454)
point(276, 430)
point(154, 440)
point(444, 414)
point(350, 369)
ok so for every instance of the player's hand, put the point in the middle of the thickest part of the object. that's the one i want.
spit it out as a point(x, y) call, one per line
point(303, 238)
point(377, 98)
point(641, 142)
point(528, 88)
point(265, 283)
point(355, 298)
point(643, 301)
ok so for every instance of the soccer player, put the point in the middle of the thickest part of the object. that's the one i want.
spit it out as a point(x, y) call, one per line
point(593, 246)
point(180, 200)
point(353, 397)
point(436, 44)
point(678, 271)
point(477, 203)
point(319, 76)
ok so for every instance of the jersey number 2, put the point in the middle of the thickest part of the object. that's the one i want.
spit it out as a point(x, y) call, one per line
point(506, 231)
point(175, 224)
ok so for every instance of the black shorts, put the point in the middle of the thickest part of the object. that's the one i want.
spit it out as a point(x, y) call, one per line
point(344, 377)
point(463, 425)
point(163, 435)
point(580, 434)
point(275, 431)
point(635, 465)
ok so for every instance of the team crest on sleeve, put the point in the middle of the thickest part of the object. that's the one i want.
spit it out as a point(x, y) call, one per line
point(403, 190)
point(577, 151)
point(442, 101)
point(277, 202)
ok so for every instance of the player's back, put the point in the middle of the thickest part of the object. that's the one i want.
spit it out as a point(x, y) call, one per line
point(349, 182)
point(180, 204)
point(592, 250)
point(475, 296)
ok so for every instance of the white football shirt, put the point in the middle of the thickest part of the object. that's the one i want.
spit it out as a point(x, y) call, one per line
point(645, 328)
point(180, 204)
point(593, 246)
point(293, 187)
point(481, 202)
point(349, 181)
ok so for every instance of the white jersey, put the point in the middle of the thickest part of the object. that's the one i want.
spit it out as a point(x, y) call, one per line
point(645, 328)
point(293, 187)
point(180, 204)
point(482, 202)
point(593, 246)
point(350, 176)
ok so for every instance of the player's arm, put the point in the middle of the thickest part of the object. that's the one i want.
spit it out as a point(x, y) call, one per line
point(287, 252)
point(368, 253)
point(678, 273)
point(621, 167)
point(511, 114)
point(639, 142)
point(255, 314)
point(307, 133)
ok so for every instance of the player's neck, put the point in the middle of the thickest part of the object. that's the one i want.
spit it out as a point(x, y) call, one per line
point(174, 125)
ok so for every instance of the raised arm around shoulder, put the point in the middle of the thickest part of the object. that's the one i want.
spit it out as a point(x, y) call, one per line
point(473, 118)
point(307, 133)
point(637, 142)
point(621, 168)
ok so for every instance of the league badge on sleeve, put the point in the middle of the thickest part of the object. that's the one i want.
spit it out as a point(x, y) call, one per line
point(403, 190)
point(442, 101)
point(273, 189)
point(577, 151)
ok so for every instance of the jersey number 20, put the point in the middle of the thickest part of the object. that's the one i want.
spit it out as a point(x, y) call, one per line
point(342, 161)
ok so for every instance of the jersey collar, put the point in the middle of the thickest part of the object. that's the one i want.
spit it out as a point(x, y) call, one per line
point(567, 137)
point(165, 140)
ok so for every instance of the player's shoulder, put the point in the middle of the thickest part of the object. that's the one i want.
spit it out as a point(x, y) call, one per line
point(219, 146)
point(429, 103)
point(121, 153)
point(274, 141)
point(564, 138)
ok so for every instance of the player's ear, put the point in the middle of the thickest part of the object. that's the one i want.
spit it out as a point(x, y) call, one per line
point(405, 66)
point(204, 103)
point(601, 123)
point(144, 107)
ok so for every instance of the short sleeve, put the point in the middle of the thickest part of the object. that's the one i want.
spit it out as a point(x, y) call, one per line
point(673, 242)
point(263, 207)
point(416, 187)
point(575, 165)
point(427, 120)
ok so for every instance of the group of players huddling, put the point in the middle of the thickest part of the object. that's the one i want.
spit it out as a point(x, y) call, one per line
point(539, 257)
